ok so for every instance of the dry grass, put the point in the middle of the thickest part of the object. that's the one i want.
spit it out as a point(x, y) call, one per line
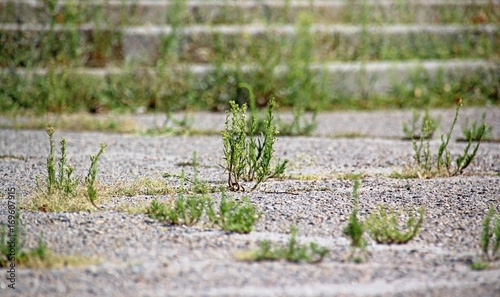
point(78, 122)
point(143, 186)
point(53, 260)
point(59, 201)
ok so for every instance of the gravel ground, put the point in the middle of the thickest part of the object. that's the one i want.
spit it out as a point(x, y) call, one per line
point(142, 257)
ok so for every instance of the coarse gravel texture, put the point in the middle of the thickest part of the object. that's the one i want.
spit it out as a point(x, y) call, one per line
point(139, 256)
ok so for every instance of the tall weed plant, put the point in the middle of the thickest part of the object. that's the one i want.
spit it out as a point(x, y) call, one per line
point(441, 163)
point(249, 158)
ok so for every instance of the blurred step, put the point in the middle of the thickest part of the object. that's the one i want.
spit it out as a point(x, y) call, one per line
point(201, 44)
point(246, 44)
point(351, 80)
point(140, 12)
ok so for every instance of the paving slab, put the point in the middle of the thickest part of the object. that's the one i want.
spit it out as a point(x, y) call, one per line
point(329, 42)
point(143, 257)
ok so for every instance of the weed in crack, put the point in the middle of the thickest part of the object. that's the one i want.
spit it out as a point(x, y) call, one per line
point(355, 229)
point(249, 159)
point(92, 175)
point(231, 215)
point(474, 130)
point(429, 125)
point(184, 211)
point(384, 225)
point(63, 181)
point(440, 164)
point(490, 240)
point(63, 191)
point(234, 216)
point(293, 252)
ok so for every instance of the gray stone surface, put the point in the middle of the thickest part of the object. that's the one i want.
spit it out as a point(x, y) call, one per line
point(143, 43)
point(142, 257)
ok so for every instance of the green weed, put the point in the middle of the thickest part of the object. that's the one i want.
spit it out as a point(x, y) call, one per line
point(63, 181)
point(92, 175)
point(490, 240)
point(474, 131)
point(184, 211)
point(300, 82)
point(63, 191)
point(20, 256)
point(384, 225)
point(355, 228)
point(293, 252)
point(249, 159)
point(480, 265)
point(234, 216)
point(428, 126)
point(173, 126)
point(231, 215)
point(430, 165)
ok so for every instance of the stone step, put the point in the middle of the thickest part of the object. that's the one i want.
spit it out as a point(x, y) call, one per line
point(342, 80)
point(250, 44)
point(328, 42)
point(133, 12)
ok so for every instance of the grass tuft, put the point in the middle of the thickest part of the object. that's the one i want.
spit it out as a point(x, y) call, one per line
point(231, 215)
point(386, 226)
point(293, 252)
point(234, 216)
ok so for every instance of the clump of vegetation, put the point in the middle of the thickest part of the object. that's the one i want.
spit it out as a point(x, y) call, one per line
point(384, 225)
point(355, 229)
point(440, 164)
point(428, 126)
point(234, 216)
point(474, 131)
point(293, 252)
point(231, 215)
point(249, 159)
point(490, 240)
point(184, 211)
point(63, 190)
